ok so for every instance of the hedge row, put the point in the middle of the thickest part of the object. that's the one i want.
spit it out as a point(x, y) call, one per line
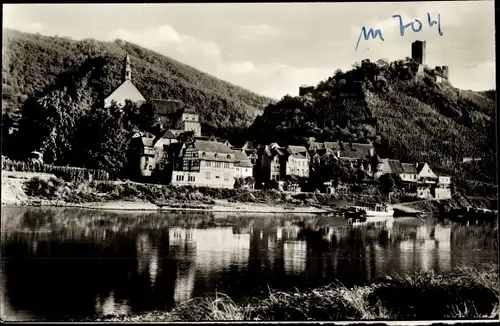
point(67, 173)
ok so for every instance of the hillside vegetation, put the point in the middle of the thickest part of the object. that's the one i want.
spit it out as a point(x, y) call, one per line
point(406, 117)
point(35, 65)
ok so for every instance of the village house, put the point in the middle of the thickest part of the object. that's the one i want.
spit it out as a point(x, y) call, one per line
point(220, 140)
point(425, 173)
point(297, 161)
point(143, 152)
point(443, 190)
point(175, 115)
point(271, 157)
point(242, 165)
point(388, 166)
point(204, 164)
point(354, 155)
point(410, 173)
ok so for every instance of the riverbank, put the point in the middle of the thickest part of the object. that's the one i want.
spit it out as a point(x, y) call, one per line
point(37, 189)
point(467, 293)
point(40, 189)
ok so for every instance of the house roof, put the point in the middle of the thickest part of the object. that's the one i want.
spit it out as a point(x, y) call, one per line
point(316, 145)
point(212, 147)
point(241, 159)
point(126, 91)
point(356, 150)
point(273, 151)
point(247, 145)
point(395, 166)
point(333, 145)
point(420, 166)
point(409, 168)
point(297, 149)
point(189, 110)
point(166, 107)
point(172, 133)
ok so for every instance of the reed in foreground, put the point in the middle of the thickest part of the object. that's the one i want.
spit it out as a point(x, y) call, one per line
point(470, 292)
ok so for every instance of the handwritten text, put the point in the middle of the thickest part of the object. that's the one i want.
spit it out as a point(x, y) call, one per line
point(416, 26)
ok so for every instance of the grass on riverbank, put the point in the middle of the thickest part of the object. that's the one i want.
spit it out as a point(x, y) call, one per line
point(468, 293)
point(55, 189)
point(82, 192)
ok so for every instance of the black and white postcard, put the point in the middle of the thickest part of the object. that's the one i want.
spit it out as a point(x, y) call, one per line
point(249, 162)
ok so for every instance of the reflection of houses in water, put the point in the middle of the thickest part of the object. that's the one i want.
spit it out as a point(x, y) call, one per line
point(184, 285)
point(108, 305)
point(295, 256)
point(423, 232)
point(431, 246)
point(147, 257)
point(442, 235)
point(287, 232)
point(217, 249)
point(179, 236)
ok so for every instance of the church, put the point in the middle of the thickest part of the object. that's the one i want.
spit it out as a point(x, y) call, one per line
point(172, 114)
point(150, 154)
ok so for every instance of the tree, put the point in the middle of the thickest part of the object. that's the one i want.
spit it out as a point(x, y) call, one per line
point(386, 183)
point(103, 140)
point(53, 119)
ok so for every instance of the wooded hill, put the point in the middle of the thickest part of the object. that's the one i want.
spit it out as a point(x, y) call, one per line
point(34, 65)
point(414, 119)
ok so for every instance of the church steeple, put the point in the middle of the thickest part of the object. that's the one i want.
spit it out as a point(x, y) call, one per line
point(127, 69)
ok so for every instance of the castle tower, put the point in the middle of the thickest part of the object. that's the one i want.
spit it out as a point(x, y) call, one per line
point(127, 69)
point(418, 52)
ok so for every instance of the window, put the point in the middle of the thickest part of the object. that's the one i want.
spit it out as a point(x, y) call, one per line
point(217, 177)
point(229, 157)
point(226, 177)
point(207, 175)
point(180, 177)
point(215, 155)
point(191, 178)
point(217, 164)
point(237, 169)
point(208, 163)
point(204, 154)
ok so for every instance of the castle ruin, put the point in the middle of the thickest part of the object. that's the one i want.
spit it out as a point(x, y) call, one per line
point(418, 49)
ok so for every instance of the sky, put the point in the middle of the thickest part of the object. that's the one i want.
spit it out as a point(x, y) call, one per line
point(273, 49)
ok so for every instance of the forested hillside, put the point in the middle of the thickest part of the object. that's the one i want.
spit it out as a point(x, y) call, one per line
point(34, 65)
point(406, 117)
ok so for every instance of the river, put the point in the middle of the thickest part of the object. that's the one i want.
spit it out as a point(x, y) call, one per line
point(61, 264)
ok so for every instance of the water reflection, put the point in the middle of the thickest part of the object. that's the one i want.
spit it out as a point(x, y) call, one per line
point(148, 262)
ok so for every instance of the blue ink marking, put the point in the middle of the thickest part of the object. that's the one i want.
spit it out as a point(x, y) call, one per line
point(433, 22)
point(371, 33)
point(412, 25)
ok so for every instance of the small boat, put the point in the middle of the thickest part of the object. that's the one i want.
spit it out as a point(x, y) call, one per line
point(377, 213)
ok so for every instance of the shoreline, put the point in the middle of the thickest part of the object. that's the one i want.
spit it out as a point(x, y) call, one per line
point(138, 206)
